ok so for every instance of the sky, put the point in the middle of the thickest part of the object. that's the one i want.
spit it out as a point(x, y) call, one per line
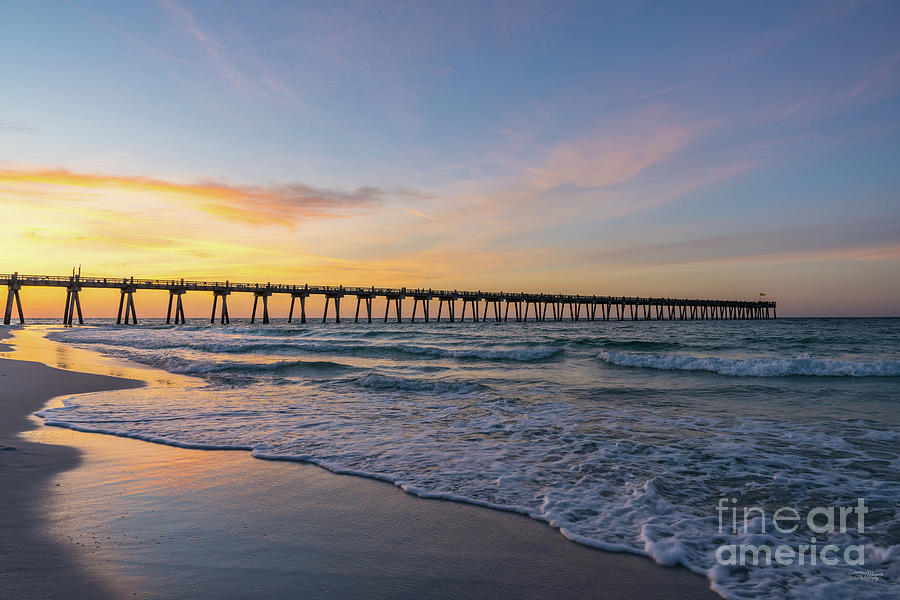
point(677, 149)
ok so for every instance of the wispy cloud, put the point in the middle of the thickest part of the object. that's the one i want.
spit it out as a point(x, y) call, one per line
point(741, 52)
point(877, 82)
point(765, 43)
point(859, 240)
point(608, 159)
point(127, 36)
point(663, 91)
point(279, 204)
point(256, 81)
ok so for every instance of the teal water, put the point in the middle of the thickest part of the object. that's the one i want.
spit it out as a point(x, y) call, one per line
point(624, 435)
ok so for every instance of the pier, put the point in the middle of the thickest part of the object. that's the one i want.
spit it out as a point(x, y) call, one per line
point(481, 305)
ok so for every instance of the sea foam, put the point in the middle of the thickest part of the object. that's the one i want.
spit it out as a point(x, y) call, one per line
point(755, 367)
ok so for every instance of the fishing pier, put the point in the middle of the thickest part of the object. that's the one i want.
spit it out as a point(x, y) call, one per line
point(483, 306)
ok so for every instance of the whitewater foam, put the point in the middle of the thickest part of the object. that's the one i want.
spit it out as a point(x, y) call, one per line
point(212, 341)
point(755, 367)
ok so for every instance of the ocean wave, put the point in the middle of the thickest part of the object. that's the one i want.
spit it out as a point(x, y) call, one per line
point(638, 345)
point(351, 348)
point(377, 381)
point(515, 354)
point(181, 366)
point(756, 367)
point(135, 340)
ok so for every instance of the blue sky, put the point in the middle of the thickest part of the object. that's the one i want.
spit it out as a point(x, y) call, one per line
point(696, 149)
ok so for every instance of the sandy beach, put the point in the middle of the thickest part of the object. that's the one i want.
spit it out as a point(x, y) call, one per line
point(32, 563)
point(95, 516)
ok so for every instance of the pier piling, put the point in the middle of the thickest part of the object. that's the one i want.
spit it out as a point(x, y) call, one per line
point(265, 308)
point(126, 299)
point(179, 307)
point(73, 302)
point(223, 294)
point(12, 295)
point(334, 295)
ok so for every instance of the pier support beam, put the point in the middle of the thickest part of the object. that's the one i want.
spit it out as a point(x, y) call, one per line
point(474, 304)
point(265, 310)
point(12, 295)
point(126, 300)
point(302, 296)
point(451, 307)
point(426, 305)
point(337, 307)
point(537, 312)
point(398, 304)
point(368, 299)
point(225, 319)
point(517, 309)
point(73, 302)
point(179, 307)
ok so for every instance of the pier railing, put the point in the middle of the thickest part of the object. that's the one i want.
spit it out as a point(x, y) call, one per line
point(539, 304)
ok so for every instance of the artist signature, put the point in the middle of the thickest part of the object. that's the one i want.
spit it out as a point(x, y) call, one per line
point(866, 574)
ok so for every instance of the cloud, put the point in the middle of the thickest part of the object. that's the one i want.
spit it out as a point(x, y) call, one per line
point(740, 52)
point(809, 21)
point(861, 240)
point(280, 204)
point(606, 160)
point(664, 91)
point(255, 79)
point(419, 213)
point(127, 36)
point(876, 83)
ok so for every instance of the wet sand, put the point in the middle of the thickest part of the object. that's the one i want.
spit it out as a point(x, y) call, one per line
point(32, 563)
point(95, 516)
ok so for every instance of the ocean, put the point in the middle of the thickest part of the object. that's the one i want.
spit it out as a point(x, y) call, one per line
point(649, 437)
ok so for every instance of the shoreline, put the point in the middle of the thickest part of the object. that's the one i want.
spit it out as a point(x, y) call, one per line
point(419, 547)
point(33, 564)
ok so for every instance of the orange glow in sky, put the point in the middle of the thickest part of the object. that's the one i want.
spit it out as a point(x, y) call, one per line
point(122, 226)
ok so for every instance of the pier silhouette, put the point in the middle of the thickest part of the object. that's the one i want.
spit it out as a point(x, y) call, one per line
point(573, 307)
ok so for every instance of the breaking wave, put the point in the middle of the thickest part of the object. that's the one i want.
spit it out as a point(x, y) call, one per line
point(755, 367)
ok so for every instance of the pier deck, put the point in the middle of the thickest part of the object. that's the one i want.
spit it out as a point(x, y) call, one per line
point(561, 307)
